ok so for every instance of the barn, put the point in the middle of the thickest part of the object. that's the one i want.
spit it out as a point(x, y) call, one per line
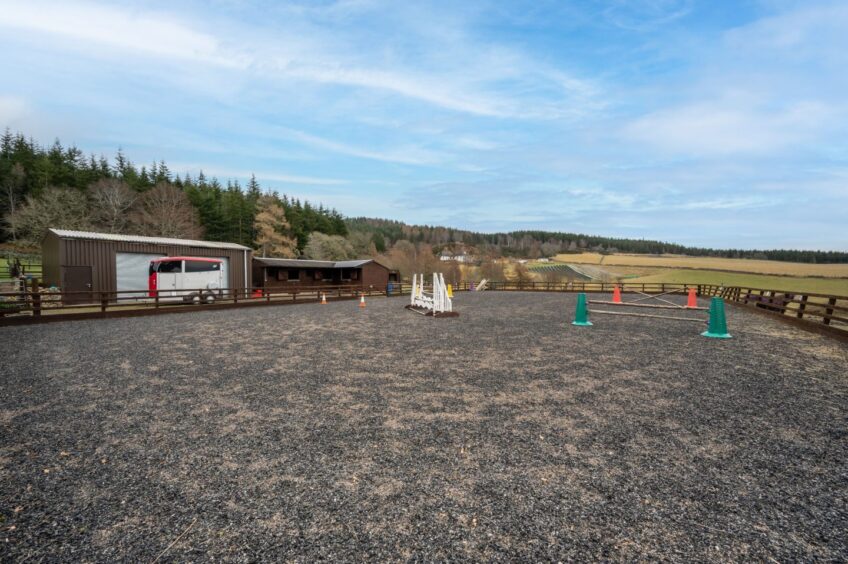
point(81, 261)
point(287, 274)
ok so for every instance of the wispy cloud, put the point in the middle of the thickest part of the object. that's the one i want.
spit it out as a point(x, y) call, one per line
point(730, 127)
point(654, 118)
point(122, 28)
point(275, 176)
point(646, 15)
point(404, 155)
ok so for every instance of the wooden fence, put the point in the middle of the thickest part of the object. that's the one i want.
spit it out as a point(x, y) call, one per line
point(36, 305)
point(825, 313)
point(819, 312)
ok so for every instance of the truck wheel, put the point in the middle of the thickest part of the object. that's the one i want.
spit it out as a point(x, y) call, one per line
point(210, 298)
point(195, 299)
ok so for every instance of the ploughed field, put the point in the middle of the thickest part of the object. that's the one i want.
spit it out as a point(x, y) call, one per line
point(328, 432)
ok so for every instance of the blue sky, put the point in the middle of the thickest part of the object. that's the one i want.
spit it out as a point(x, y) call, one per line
point(706, 123)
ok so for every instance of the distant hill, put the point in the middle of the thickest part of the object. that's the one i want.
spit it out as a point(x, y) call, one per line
point(533, 244)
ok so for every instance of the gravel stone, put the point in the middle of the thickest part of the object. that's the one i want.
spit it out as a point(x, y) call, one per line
point(331, 432)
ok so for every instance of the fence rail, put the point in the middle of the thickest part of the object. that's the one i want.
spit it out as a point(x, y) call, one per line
point(820, 312)
point(823, 312)
point(35, 305)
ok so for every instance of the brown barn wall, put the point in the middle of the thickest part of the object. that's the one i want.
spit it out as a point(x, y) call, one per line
point(101, 255)
point(50, 260)
point(307, 279)
point(376, 275)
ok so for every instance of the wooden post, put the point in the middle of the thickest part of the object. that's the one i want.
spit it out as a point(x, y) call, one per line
point(104, 302)
point(235, 296)
point(829, 311)
point(156, 299)
point(36, 298)
point(801, 307)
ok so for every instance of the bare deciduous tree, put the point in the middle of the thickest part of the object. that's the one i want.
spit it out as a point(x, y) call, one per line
point(409, 259)
point(111, 203)
point(61, 208)
point(165, 211)
point(522, 274)
point(13, 187)
point(493, 270)
point(328, 247)
point(363, 244)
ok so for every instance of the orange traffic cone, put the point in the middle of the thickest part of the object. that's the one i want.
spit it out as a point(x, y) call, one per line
point(323, 299)
point(616, 295)
point(362, 301)
point(692, 300)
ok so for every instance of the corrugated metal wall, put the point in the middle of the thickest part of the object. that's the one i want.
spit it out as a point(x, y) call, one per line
point(50, 272)
point(100, 255)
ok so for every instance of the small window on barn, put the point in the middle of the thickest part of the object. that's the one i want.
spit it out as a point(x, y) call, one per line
point(354, 275)
point(294, 275)
point(170, 266)
point(281, 275)
point(202, 266)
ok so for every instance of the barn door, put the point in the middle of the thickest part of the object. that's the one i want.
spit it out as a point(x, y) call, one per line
point(131, 273)
point(76, 282)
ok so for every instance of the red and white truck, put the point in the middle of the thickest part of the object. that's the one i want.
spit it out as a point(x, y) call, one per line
point(191, 279)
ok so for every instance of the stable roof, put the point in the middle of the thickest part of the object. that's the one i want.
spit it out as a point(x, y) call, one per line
point(89, 235)
point(300, 263)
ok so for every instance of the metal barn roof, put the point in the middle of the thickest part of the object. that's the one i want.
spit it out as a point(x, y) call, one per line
point(67, 234)
point(300, 263)
point(352, 263)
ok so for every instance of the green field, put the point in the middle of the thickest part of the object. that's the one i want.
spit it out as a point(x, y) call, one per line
point(31, 266)
point(830, 286)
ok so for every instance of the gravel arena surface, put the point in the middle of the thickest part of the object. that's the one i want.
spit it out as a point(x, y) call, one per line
point(309, 432)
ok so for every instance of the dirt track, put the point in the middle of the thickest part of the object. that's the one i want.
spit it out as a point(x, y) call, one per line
point(325, 432)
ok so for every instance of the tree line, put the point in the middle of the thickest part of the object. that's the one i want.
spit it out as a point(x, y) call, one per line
point(535, 244)
point(61, 187)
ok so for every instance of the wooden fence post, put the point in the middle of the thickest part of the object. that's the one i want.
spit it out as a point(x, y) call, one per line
point(801, 307)
point(36, 298)
point(104, 302)
point(829, 310)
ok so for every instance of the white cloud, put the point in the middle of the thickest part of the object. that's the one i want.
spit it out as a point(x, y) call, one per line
point(403, 155)
point(808, 30)
point(107, 26)
point(729, 127)
point(480, 80)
